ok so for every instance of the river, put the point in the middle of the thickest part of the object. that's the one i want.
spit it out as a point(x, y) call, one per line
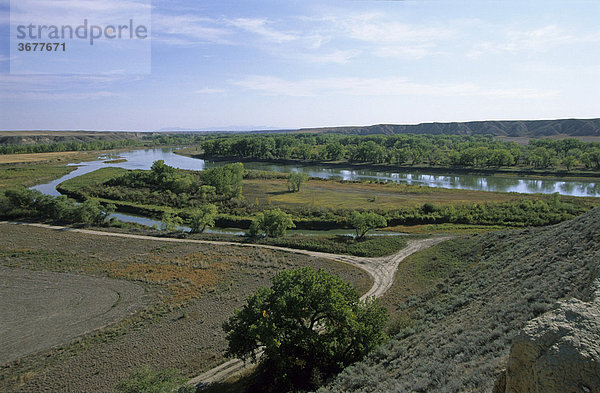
point(143, 159)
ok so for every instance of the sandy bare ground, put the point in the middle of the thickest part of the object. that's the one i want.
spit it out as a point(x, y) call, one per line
point(39, 310)
point(382, 270)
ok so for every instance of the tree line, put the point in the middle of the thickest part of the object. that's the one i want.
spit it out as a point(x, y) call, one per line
point(69, 146)
point(408, 149)
point(144, 141)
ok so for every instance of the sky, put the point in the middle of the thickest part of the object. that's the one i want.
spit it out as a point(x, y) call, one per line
point(293, 64)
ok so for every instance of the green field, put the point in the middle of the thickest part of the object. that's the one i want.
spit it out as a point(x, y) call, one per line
point(12, 176)
point(333, 194)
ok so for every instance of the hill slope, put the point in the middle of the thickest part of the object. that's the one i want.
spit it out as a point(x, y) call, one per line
point(461, 331)
point(46, 137)
point(512, 128)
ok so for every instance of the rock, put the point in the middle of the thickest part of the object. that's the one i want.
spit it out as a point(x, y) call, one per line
point(558, 352)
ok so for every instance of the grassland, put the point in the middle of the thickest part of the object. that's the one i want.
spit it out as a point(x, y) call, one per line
point(38, 168)
point(195, 288)
point(332, 194)
point(12, 176)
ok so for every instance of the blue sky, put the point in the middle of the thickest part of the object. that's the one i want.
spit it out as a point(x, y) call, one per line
point(292, 64)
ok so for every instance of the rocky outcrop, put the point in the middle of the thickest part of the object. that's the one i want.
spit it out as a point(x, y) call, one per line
point(558, 352)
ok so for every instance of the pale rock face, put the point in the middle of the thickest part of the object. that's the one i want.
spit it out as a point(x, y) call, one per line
point(558, 352)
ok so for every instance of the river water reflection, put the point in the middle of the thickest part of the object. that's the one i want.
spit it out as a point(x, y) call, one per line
point(143, 159)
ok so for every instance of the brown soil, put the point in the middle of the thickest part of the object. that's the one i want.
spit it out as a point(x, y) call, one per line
point(44, 309)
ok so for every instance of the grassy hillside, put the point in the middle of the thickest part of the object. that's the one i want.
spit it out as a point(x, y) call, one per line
point(512, 128)
point(455, 335)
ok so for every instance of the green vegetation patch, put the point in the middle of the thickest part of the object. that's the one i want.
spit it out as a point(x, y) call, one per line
point(94, 178)
point(371, 246)
point(320, 204)
point(12, 176)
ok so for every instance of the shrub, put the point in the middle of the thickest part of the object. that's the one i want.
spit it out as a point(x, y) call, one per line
point(145, 380)
point(272, 223)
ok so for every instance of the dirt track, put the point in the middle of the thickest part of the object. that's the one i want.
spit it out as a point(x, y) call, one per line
point(382, 270)
point(43, 309)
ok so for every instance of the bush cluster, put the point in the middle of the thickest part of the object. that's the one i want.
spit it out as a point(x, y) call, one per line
point(26, 203)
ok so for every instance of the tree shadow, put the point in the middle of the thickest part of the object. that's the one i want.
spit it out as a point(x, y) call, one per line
point(280, 192)
point(252, 382)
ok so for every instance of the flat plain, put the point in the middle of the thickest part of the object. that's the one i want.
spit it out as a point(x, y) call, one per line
point(42, 309)
point(180, 328)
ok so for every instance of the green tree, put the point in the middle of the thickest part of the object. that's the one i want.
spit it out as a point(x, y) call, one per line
point(272, 223)
point(202, 218)
point(227, 179)
point(569, 162)
point(310, 324)
point(170, 221)
point(161, 174)
point(364, 222)
point(334, 151)
point(145, 380)
point(296, 180)
point(93, 212)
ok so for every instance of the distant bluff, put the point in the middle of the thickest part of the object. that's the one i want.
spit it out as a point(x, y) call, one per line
point(508, 128)
point(533, 290)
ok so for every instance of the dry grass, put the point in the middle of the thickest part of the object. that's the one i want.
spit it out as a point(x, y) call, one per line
point(40, 157)
point(185, 277)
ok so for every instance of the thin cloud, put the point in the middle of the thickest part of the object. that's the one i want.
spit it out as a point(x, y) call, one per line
point(376, 34)
point(541, 39)
point(274, 86)
point(64, 87)
point(263, 28)
point(335, 57)
point(45, 96)
point(208, 90)
point(187, 30)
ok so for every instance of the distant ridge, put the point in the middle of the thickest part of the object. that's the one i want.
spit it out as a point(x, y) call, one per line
point(509, 128)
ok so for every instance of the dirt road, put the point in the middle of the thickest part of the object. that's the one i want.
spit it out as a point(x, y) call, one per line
point(382, 270)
